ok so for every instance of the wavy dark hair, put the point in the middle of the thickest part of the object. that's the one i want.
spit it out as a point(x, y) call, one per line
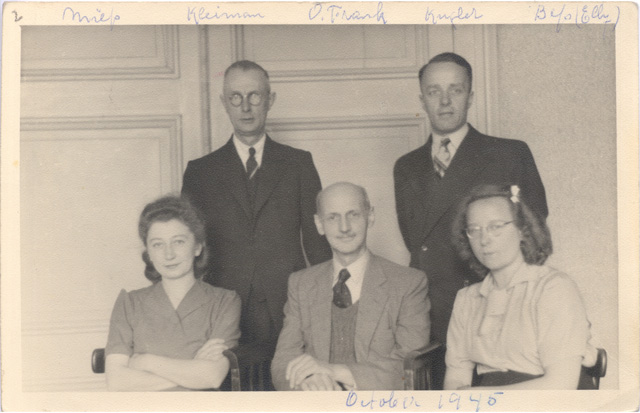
point(536, 243)
point(165, 209)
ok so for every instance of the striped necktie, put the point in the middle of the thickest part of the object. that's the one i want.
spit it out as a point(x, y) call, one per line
point(442, 159)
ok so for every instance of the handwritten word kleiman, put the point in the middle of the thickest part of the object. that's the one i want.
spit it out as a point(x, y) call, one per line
point(199, 14)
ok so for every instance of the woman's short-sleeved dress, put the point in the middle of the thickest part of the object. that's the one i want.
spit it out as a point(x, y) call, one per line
point(144, 321)
point(537, 320)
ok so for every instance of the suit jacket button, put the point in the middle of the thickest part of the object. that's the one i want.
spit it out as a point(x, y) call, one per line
point(424, 248)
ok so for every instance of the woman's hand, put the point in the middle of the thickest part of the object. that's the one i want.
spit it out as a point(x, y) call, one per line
point(137, 361)
point(212, 350)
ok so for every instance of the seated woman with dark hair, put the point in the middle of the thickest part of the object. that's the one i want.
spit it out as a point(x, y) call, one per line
point(525, 325)
point(171, 335)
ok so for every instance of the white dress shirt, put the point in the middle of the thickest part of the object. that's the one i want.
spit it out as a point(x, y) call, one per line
point(456, 139)
point(243, 150)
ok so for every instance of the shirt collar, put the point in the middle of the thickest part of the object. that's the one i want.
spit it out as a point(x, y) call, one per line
point(525, 273)
point(243, 149)
point(356, 268)
point(456, 137)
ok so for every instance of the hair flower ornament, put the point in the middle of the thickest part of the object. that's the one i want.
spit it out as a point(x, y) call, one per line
point(515, 194)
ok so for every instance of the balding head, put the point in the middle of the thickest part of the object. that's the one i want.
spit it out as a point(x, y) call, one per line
point(341, 189)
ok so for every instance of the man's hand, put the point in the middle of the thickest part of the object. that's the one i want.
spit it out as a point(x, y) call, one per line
point(212, 350)
point(304, 366)
point(319, 382)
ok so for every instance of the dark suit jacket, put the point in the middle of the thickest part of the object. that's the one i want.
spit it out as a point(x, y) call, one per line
point(426, 206)
point(392, 320)
point(258, 247)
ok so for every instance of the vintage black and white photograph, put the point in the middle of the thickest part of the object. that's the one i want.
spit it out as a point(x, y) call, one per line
point(432, 215)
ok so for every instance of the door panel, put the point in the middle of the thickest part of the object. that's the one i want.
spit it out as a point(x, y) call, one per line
point(106, 126)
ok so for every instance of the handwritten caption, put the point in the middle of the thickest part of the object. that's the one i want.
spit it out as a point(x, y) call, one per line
point(98, 17)
point(579, 15)
point(334, 13)
point(198, 14)
point(434, 17)
point(391, 401)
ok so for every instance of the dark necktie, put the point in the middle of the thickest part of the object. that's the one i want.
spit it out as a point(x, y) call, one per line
point(252, 165)
point(443, 157)
point(341, 293)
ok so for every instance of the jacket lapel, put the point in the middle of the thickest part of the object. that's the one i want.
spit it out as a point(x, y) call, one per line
point(373, 298)
point(320, 307)
point(274, 163)
point(234, 177)
point(424, 173)
point(466, 165)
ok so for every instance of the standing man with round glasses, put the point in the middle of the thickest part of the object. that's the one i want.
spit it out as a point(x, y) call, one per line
point(258, 200)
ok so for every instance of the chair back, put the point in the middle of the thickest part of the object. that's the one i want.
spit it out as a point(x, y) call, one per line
point(97, 361)
point(590, 376)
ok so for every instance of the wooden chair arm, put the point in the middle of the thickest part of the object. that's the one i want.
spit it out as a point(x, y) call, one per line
point(418, 366)
point(97, 361)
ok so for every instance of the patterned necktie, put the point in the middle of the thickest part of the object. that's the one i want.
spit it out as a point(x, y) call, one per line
point(252, 165)
point(341, 293)
point(443, 157)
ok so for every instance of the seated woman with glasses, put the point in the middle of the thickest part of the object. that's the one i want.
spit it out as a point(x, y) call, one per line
point(525, 325)
point(171, 335)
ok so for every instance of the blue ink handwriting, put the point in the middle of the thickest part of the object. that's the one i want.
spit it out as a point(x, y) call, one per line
point(454, 398)
point(98, 18)
point(198, 15)
point(433, 17)
point(390, 402)
point(579, 15)
point(336, 13)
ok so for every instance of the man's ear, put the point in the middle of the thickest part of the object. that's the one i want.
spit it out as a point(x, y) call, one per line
point(272, 99)
point(371, 218)
point(198, 250)
point(319, 226)
point(424, 105)
point(470, 100)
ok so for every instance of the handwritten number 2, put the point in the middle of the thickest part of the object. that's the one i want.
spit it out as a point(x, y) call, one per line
point(16, 18)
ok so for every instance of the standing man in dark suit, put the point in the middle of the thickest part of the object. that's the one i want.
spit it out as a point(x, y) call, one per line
point(258, 199)
point(430, 180)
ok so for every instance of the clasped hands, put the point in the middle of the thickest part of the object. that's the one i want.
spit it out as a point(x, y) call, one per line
point(310, 374)
point(211, 350)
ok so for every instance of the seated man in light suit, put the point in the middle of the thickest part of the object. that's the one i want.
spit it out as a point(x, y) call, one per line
point(349, 322)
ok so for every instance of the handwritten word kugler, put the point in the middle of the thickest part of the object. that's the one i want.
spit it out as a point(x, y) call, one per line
point(100, 17)
point(203, 14)
point(434, 17)
point(335, 13)
point(579, 15)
